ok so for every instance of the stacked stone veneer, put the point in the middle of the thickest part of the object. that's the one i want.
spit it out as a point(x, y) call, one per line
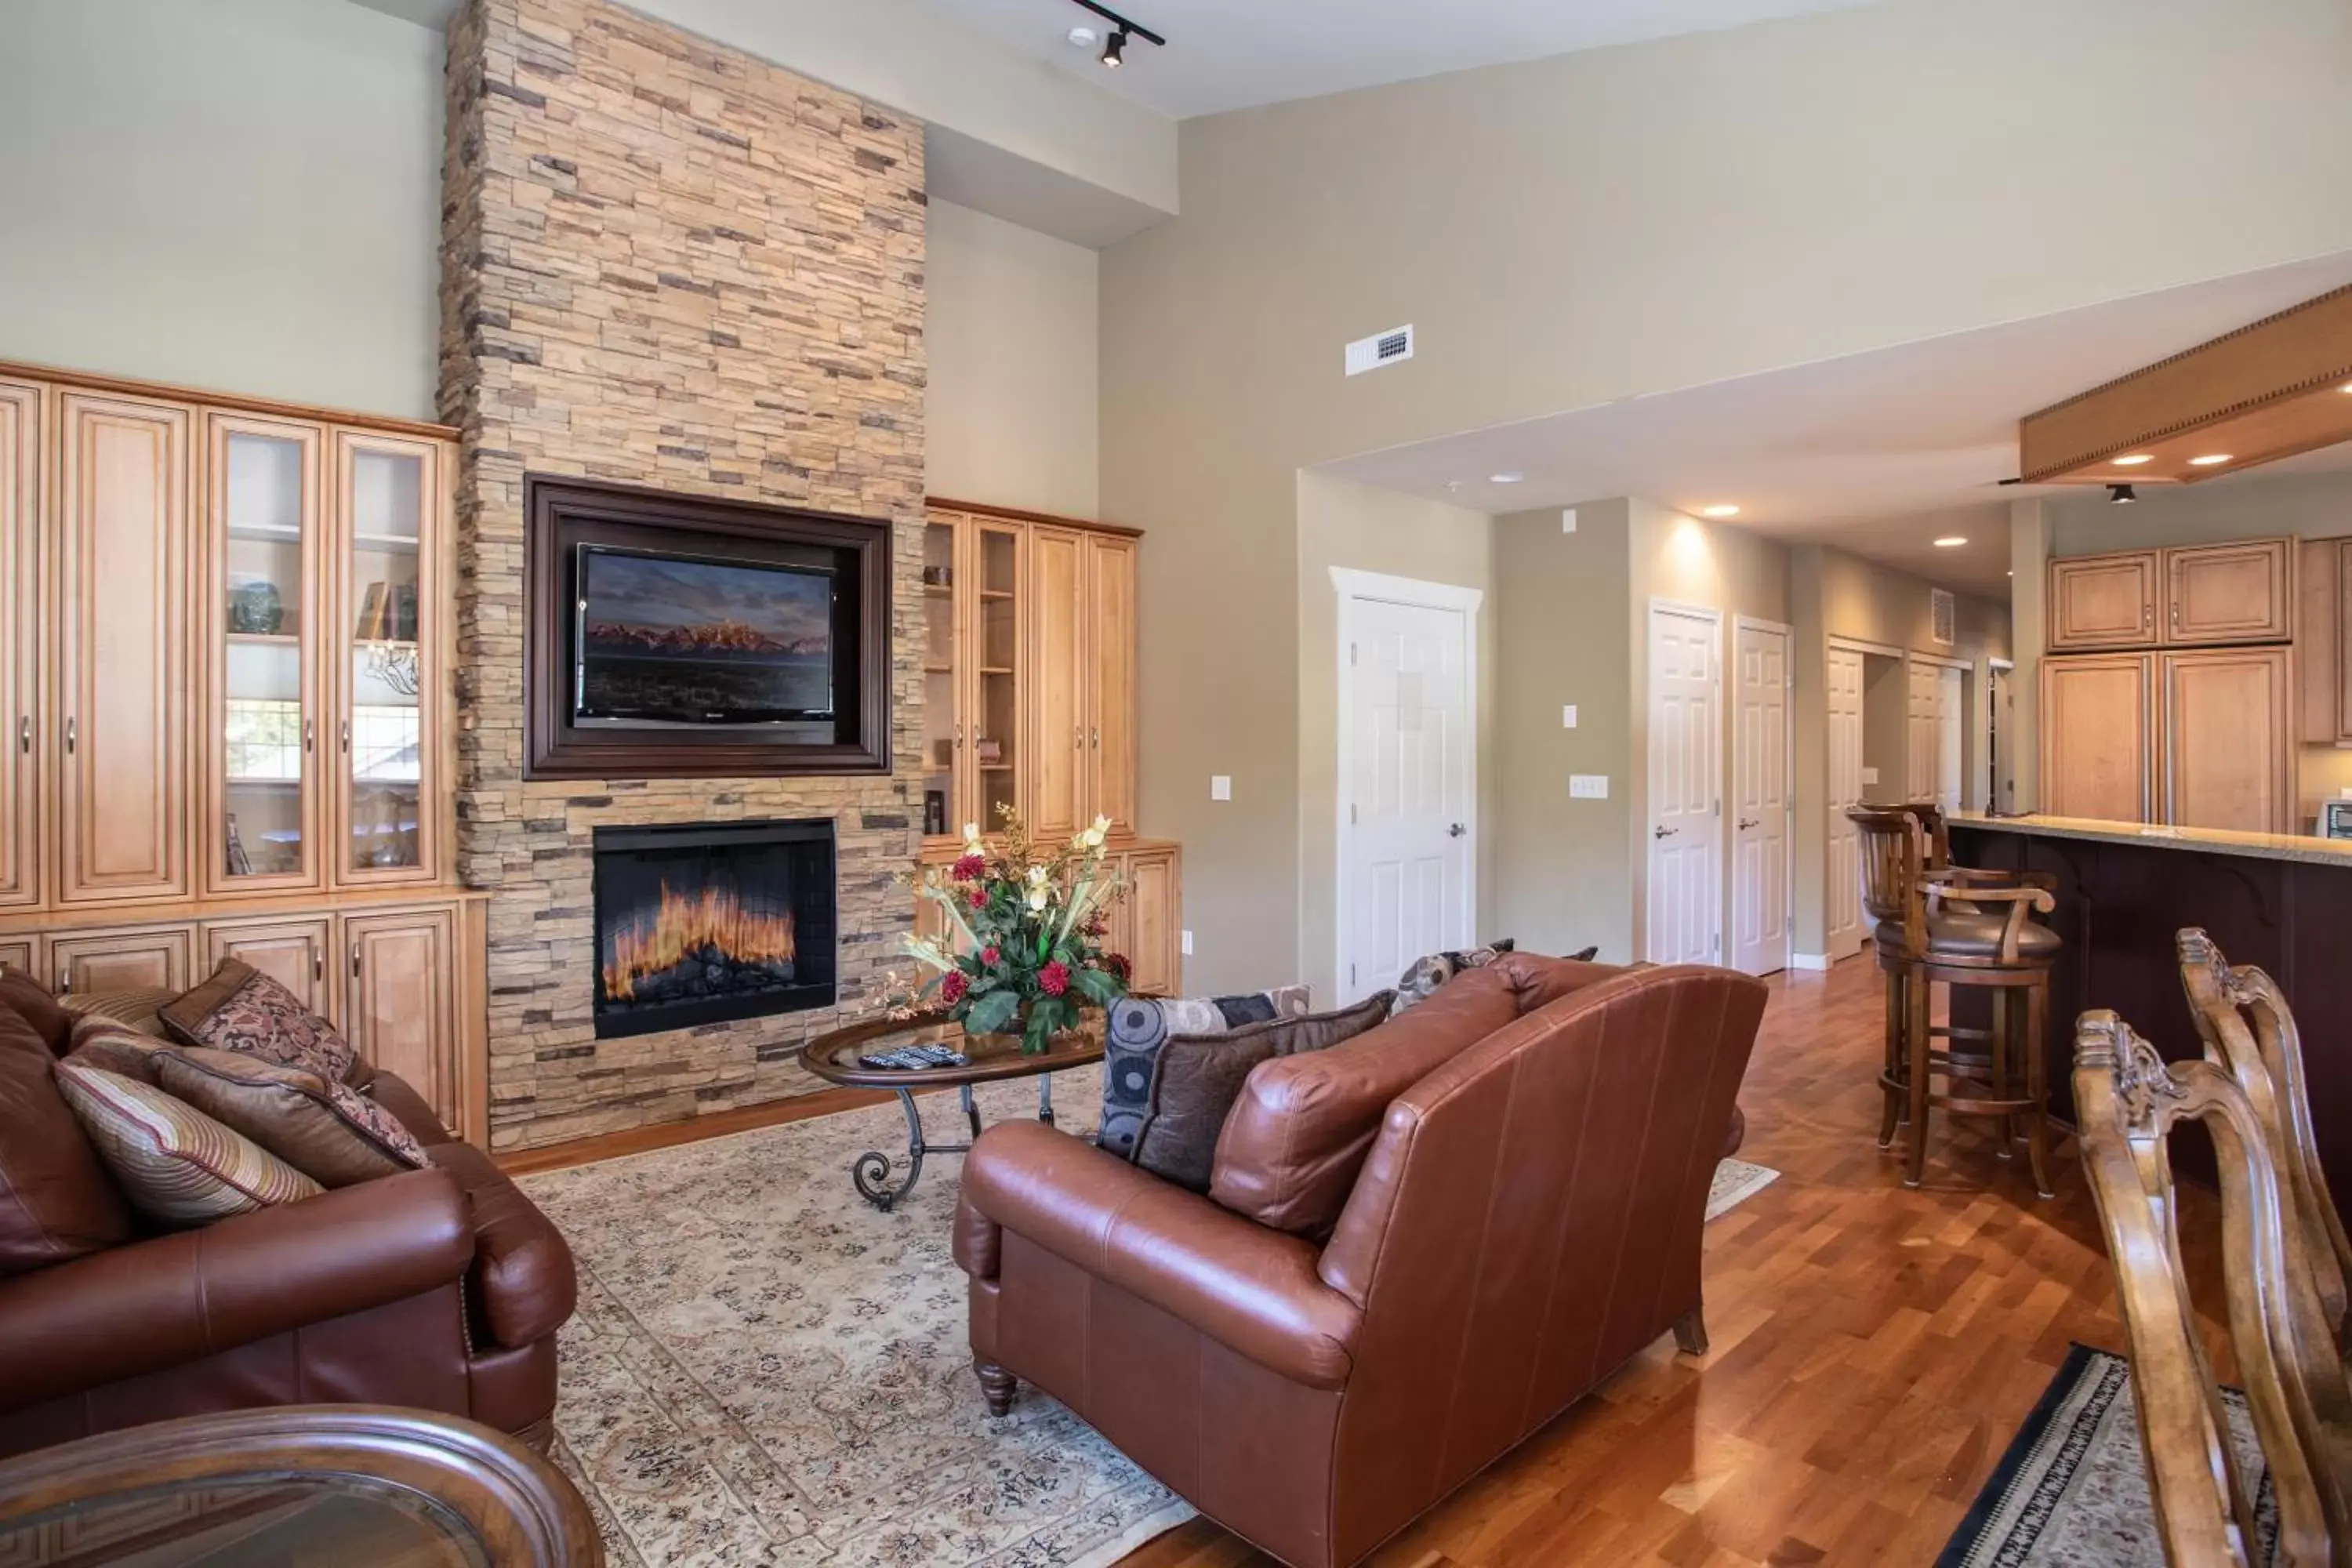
point(670, 263)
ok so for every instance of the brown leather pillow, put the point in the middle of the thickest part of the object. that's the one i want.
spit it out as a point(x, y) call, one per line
point(1199, 1077)
point(57, 1201)
point(241, 1009)
point(1539, 981)
point(33, 1003)
point(140, 1007)
point(332, 1134)
point(1299, 1134)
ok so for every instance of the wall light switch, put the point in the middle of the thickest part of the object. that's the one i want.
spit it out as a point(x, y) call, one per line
point(1220, 786)
point(1188, 944)
point(1568, 716)
point(1568, 519)
point(1588, 786)
point(1870, 775)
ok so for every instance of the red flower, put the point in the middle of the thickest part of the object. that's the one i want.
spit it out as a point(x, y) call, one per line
point(979, 899)
point(953, 985)
point(988, 956)
point(1117, 963)
point(1054, 978)
point(968, 868)
point(1096, 924)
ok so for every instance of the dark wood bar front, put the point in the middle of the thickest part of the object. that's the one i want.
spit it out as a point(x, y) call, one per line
point(2280, 903)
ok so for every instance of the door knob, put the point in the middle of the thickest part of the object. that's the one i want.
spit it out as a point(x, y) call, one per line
point(1746, 822)
point(1665, 832)
point(1457, 831)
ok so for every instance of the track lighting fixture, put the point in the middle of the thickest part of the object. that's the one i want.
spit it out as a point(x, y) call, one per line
point(2121, 495)
point(1122, 33)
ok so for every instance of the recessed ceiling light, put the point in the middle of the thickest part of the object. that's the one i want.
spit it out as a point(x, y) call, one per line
point(1726, 509)
point(2135, 460)
point(2212, 460)
point(2347, 386)
point(1506, 478)
point(1950, 541)
point(1082, 37)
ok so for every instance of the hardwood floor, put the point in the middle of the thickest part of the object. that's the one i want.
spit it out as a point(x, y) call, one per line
point(1873, 1350)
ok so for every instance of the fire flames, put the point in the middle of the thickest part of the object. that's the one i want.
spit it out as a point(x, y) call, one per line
point(682, 926)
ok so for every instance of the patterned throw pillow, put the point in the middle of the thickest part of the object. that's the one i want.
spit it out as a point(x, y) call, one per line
point(1416, 984)
point(241, 1009)
point(1137, 1027)
point(140, 1008)
point(329, 1133)
point(175, 1164)
point(1200, 1077)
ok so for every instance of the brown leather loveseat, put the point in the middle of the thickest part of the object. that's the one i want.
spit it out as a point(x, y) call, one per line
point(1417, 1248)
point(439, 1289)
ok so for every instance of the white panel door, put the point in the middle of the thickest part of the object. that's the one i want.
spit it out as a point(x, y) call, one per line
point(1685, 825)
point(1407, 785)
point(1759, 794)
point(1951, 715)
point(1842, 908)
point(1923, 732)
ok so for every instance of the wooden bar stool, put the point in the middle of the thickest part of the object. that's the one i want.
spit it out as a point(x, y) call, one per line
point(1960, 928)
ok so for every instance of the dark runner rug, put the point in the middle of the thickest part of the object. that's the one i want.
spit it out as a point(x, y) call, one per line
point(2072, 1490)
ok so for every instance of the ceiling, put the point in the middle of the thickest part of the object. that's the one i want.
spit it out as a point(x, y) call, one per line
point(1233, 54)
point(1879, 454)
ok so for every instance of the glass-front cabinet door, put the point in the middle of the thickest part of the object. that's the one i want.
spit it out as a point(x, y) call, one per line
point(943, 795)
point(991, 696)
point(264, 562)
point(387, 656)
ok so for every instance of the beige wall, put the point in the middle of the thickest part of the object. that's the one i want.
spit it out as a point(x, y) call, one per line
point(1644, 219)
point(1835, 595)
point(1341, 523)
point(242, 194)
point(1011, 407)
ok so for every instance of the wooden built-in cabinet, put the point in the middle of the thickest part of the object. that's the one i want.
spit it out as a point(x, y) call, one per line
point(2240, 592)
point(2325, 642)
point(2196, 739)
point(224, 674)
point(2098, 736)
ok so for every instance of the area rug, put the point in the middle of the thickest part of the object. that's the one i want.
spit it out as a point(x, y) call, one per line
point(1736, 1182)
point(765, 1370)
point(2072, 1490)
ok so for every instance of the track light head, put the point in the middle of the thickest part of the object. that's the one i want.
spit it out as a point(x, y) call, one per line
point(1114, 53)
point(2121, 495)
point(1123, 32)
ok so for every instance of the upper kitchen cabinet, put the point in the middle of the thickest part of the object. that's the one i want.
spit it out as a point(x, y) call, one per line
point(2242, 592)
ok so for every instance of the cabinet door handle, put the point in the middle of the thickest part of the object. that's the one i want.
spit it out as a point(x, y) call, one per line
point(959, 737)
point(318, 964)
point(73, 734)
point(1081, 736)
point(1096, 735)
point(309, 734)
point(24, 734)
point(355, 960)
point(347, 737)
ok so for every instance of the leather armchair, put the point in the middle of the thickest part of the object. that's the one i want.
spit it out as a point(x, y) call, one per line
point(1527, 1217)
point(440, 1289)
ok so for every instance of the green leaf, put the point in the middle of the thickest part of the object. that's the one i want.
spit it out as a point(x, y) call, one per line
point(1101, 985)
point(990, 1013)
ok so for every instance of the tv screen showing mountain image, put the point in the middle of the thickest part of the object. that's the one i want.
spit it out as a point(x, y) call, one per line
point(673, 639)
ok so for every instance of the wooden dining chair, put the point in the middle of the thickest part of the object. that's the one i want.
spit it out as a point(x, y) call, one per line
point(2128, 1102)
point(2250, 1032)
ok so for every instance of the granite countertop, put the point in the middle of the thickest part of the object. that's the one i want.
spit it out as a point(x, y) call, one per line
point(2205, 840)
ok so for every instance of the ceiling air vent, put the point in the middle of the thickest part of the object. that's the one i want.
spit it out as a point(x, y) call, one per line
point(1391, 347)
point(1941, 610)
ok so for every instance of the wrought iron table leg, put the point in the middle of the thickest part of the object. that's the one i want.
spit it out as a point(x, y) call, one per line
point(971, 1113)
point(1045, 1098)
point(871, 1170)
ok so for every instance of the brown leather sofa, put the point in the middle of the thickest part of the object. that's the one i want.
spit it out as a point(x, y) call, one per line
point(439, 1289)
point(1519, 1167)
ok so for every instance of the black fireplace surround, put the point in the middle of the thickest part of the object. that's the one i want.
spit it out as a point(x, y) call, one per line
point(703, 923)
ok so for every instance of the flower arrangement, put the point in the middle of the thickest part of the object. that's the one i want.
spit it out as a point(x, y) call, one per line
point(1027, 924)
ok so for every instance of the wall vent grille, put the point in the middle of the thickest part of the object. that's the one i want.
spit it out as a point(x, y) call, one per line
point(1391, 347)
point(1945, 614)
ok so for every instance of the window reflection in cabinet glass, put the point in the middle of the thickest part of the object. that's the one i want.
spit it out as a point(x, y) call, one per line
point(262, 586)
point(386, 516)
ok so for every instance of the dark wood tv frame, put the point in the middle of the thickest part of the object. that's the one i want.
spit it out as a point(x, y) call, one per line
point(560, 512)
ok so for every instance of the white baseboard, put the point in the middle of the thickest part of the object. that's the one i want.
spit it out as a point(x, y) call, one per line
point(1809, 961)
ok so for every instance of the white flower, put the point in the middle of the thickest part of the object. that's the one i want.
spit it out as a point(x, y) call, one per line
point(972, 833)
point(1092, 838)
point(1037, 899)
point(1101, 826)
point(1036, 876)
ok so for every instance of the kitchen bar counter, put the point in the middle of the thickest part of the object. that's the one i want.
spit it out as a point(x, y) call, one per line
point(2283, 903)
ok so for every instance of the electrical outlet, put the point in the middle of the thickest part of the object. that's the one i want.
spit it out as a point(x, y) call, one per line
point(1220, 786)
point(1568, 519)
point(1588, 786)
point(1188, 944)
point(1568, 716)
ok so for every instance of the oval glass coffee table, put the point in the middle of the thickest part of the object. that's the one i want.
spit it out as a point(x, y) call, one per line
point(835, 1058)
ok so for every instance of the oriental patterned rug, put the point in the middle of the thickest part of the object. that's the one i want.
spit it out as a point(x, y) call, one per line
point(765, 1370)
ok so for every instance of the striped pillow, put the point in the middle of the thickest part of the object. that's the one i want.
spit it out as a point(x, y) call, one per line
point(175, 1164)
point(141, 1007)
point(116, 1048)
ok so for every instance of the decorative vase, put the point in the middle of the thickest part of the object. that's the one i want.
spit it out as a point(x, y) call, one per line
point(255, 609)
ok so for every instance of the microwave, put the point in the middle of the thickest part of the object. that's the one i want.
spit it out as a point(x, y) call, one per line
point(2336, 819)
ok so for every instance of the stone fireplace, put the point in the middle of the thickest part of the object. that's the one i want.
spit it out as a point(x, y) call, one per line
point(668, 265)
point(703, 923)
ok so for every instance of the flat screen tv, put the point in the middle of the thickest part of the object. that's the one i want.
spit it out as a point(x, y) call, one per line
point(666, 640)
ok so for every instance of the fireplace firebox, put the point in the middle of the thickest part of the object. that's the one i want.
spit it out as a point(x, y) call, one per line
point(707, 921)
